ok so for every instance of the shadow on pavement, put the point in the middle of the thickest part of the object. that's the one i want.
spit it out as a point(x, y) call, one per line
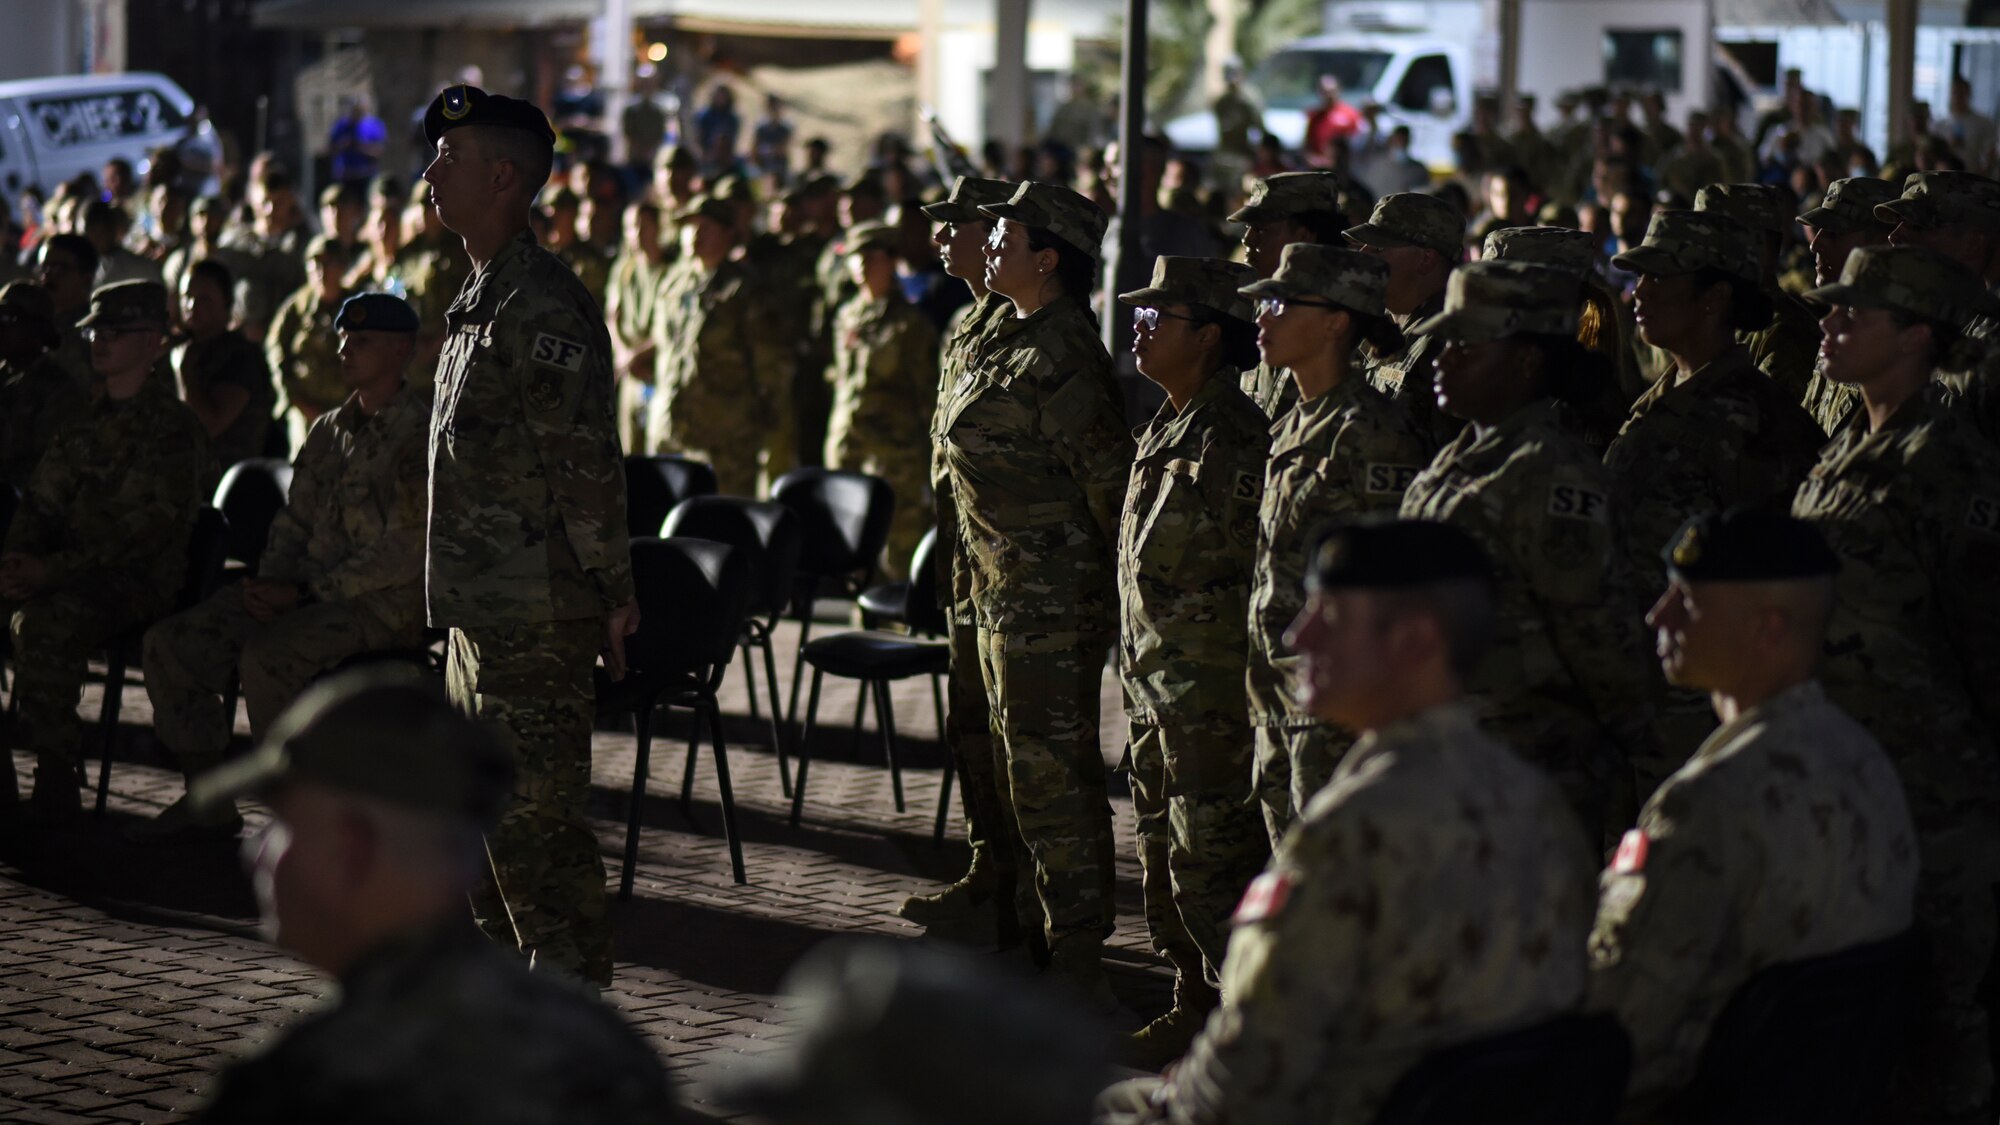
point(92, 863)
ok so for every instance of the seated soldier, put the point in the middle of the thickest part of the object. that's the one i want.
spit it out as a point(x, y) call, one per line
point(99, 544)
point(1786, 835)
point(1436, 891)
point(342, 573)
point(37, 397)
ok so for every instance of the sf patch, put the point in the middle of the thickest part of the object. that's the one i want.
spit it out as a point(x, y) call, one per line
point(558, 352)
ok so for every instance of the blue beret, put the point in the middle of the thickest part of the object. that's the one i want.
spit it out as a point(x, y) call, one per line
point(377, 312)
point(460, 105)
point(1748, 545)
point(1394, 554)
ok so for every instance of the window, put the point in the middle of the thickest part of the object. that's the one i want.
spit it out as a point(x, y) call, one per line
point(1429, 73)
point(1290, 79)
point(1646, 59)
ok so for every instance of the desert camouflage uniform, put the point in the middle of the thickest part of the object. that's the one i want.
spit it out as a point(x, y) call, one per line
point(721, 384)
point(1786, 349)
point(526, 554)
point(885, 378)
point(592, 265)
point(1967, 202)
point(38, 400)
point(1272, 388)
point(629, 299)
point(230, 359)
point(784, 266)
point(1412, 219)
point(428, 273)
point(303, 351)
point(1287, 196)
point(1597, 418)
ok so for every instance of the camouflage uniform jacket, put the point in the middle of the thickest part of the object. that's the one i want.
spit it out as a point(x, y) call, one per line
point(527, 483)
point(1406, 376)
point(1272, 388)
point(962, 338)
point(1035, 438)
point(354, 521)
point(592, 265)
point(1831, 404)
point(1187, 546)
point(1971, 380)
point(885, 378)
point(1435, 891)
point(303, 350)
point(37, 400)
point(716, 363)
point(1913, 650)
point(230, 359)
point(1348, 452)
point(1786, 350)
point(445, 1026)
point(110, 506)
point(1727, 435)
point(629, 297)
point(1784, 837)
point(788, 283)
point(1571, 664)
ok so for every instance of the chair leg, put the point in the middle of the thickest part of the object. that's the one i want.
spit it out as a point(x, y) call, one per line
point(687, 772)
point(805, 750)
point(114, 694)
point(885, 717)
point(230, 695)
point(750, 675)
point(643, 720)
point(778, 741)
point(798, 666)
point(950, 761)
point(728, 798)
point(862, 691)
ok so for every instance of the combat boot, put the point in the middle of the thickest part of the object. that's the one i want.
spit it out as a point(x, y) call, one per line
point(1077, 962)
point(1169, 1036)
point(179, 823)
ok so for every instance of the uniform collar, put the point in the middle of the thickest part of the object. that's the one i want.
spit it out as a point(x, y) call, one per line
point(1801, 696)
point(1447, 724)
point(1173, 425)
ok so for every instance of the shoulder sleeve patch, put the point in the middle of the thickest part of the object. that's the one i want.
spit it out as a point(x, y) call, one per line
point(1631, 856)
point(1265, 898)
point(558, 351)
point(1982, 514)
point(1570, 500)
point(1383, 478)
point(1249, 485)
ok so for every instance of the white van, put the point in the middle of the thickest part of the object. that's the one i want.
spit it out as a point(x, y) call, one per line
point(53, 128)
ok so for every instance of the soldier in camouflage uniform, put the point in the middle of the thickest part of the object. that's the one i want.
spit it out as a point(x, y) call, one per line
point(1283, 209)
point(1346, 450)
point(630, 297)
point(1958, 215)
point(65, 265)
point(99, 544)
point(37, 397)
point(1785, 348)
point(301, 346)
point(373, 776)
point(563, 208)
point(1435, 892)
point(341, 574)
point(1786, 836)
point(382, 236)
point(1909, 497)
point(784, 260)
point(222, 373)
point(1604, 323)
point(990, 881)
point(861, 200)
point(884, 376)
point(1034, 438)
point(429, 270)
point(1567, 684)
point(527, 560)
point(1187, 548)
point(1421, 239)
point(1844, 221)
point(722, 382)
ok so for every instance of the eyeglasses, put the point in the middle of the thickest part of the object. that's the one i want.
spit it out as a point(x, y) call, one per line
point(1148, 320)
point(1276, 306)
point(109, 335)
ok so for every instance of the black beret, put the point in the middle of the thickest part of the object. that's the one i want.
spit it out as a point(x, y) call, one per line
point(1748, 545)
point(1394, 554)
point(377, 312)
point(469, 105)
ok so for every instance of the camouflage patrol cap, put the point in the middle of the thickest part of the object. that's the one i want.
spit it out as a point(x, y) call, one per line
point(1679, 242)
point(705, 206)
point(1748, 544)
point(1850, 204)
point(1056, 209)
point(1392, 554)
point(869, 236)
point(377, 312)
point(1410, 218)
point(968, 195)
point(1291, 193)
point(1492, 300)
point(674, 157)
point(386, 735)
point(1308, 271)
point(322, 244)
point(1760, 207)
point(332, 195)
point(1213, 283)
point(1908, 279)
point(456, 107)
point(1563, 248)
point(558, 197)
point(1936, 199)
point(28, 302)
point(128, 304)
point(389, 186)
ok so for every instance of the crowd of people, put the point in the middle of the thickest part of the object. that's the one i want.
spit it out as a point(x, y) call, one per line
point(1630, 493)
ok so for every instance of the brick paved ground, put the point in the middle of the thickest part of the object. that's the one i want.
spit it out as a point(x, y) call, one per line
point(128, 974)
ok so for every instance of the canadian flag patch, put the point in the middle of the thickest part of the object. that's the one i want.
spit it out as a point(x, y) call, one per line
point(1264, 899)
point(1631, 856)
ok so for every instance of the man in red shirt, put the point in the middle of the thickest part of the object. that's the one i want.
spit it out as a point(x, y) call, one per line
point(1334, 122)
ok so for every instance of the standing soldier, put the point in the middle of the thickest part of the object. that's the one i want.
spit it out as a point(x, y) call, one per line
point(38, 399)
point(342, 574)
point(99, 544)
point(1421, 239)
point(1283, 209)
point(1957, 214)
point(1602, 322)
point(381, 235)
point(527, 560)
point(302, 347)
point(628, 311)
point(428, 272)
point(884, 387)
point(860, 201)
point(1346, 450)
point(784, 259)
point(1844, 221)
point(1187, 545)
point(1785, 349)
point(564, 212)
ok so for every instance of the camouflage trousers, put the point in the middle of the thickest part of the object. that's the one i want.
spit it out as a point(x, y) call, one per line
point(1290, 765)
point(1042, 690)
point(631, 414)
point(731, 442)
point(190, 655)
point(53, 636)
point(968, 732)
point(908, 472)
point(532, 683)
point(1947, 1071)
point(1200, 842)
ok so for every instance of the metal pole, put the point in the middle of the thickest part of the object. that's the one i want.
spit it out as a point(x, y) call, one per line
point(1125, 272)
point(614, 73)
point(1510, 55)
point(1902, 17)
point(1010, 73)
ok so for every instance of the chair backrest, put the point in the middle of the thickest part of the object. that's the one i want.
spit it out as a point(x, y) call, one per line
point(10, 499)
point(921, 612)
point(767, 533)
point(844, 515)
point(655, 483)
point(1570, 1070)
point(693, 595)
point(1808, 1041)
point(251, 494)
point(208, 549)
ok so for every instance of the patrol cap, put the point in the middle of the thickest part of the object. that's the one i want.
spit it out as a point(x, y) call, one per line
point(674, 157)
point(322, 244)
point(1849, 204)
point(1760, 207)
point(1410, 218)
point(128, 304)
point(870, 235)
point(732, 188)
point(1056, 209)
point(1488, 300)
point(1908, 279)
point(1748, 545)
point(1393, 554)
point(335, 194)
point(389, 186)
point(25, 302)
point(705, 206)
point(898, 1032)
point(1679, 242)
point(1935, 199)
point(1563, 248)
point(968, 195)
point(866, 184)
point(1309, 271)
point(461, 105)
point(558, 197)
point(377, 312)
point(388, 735)
point(1214, 283)
point(1291, 193)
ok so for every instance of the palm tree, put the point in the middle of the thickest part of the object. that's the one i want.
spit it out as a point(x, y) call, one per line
point(1190, 40)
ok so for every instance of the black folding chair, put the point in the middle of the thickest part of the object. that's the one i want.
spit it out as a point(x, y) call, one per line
point(655, 483)
point(768, 536)
point(878, 659)
point(251, 495)
point(693, 594)
point(844, 517)
point(1570, 1070)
